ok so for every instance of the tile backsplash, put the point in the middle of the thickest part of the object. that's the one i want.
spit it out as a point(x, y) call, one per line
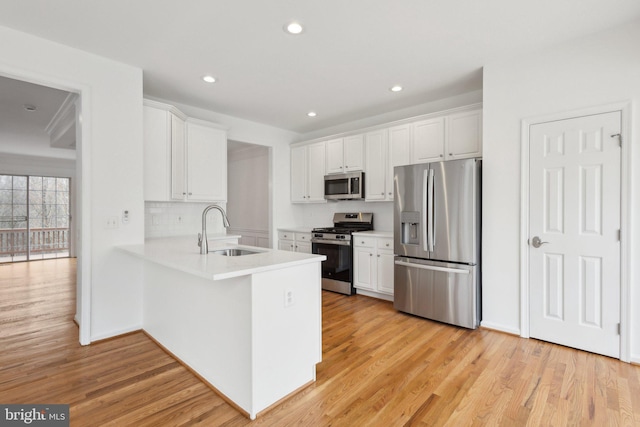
point(166, 219)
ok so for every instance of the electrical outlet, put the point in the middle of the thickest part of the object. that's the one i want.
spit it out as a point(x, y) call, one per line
point(125, 217)
point(289, 299)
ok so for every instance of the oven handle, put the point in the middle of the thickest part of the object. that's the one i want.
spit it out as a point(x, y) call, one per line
point(332, 242)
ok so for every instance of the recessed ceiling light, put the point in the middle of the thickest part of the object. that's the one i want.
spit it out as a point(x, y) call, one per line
point(396, 88)
point(312, 114)
point(30, 107)
point(209, 79)
point(293, 28)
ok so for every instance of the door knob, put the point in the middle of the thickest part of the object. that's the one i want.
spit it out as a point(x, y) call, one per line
point(536, 242)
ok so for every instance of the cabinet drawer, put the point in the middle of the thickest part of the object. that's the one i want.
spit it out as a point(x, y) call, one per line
point(385, 243)
point(303, 237)
point(364, 242)
point(286, 235)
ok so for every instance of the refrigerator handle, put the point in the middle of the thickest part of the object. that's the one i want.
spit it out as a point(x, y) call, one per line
point(432, 267)
point(430, 211)
point(425, 214)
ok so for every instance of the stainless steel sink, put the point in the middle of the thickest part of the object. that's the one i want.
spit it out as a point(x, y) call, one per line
point(233, 252)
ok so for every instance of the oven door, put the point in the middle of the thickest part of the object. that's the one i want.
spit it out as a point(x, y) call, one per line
point(337, 268)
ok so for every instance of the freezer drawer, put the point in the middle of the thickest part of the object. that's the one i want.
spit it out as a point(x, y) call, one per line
point(439, 291)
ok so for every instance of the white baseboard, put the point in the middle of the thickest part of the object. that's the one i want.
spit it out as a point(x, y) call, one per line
point(500, 328)
point(107, 335)
point(635, 359)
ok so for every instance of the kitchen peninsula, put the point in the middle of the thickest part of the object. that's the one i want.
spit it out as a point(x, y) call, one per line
point(248, 325)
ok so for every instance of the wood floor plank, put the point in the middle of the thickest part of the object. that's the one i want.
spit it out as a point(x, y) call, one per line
point(379, 368)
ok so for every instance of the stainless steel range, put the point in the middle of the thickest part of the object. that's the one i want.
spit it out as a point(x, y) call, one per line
point(335, 243)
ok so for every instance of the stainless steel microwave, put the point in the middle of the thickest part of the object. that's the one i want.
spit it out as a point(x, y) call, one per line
point(344, 186)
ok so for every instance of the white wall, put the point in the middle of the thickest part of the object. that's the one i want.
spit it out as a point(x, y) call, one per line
point(112, 167)
point(248, 192)
point(596, 70)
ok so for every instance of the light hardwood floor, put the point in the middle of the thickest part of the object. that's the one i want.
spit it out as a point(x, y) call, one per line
point(379, 368)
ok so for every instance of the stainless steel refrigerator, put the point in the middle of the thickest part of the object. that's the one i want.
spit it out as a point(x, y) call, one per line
point(437, 241)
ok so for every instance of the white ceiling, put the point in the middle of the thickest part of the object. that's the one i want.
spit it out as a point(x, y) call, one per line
point(350, 53)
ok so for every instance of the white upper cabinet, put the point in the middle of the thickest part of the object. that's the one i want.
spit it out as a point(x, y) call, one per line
point(345, 154)
point(428, 140)
point(376, 161)
point(184, 159)
point(464, 135)
point(455, 136)
point(206, 162)
point(307, 173)
point(163, 127)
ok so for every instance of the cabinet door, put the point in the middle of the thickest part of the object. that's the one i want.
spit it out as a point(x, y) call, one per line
point(354, 153)
point(299, 174)
point(375, 175)
point(335, 156)
point(157, 154)
point(304, 247)
point(178, 159)
point(385, 266)
point(399, 153)
point(206, 163)
point(286, 245)
point(315, 172)
point(428, 140)
point(363, 268)
point(464, 136)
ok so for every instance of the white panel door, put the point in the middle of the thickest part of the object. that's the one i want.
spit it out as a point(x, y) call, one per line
point(574, 274)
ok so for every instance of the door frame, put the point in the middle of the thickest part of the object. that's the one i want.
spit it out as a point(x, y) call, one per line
point(625, 215)
point(83, 181)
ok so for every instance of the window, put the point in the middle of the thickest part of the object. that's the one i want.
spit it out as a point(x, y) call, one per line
point(34, 217)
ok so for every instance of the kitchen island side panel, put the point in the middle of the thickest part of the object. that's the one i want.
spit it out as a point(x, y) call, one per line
point(205, 323)
point(287, 325)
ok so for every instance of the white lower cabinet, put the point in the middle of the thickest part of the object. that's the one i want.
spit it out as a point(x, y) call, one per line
point(373, 263)
point(294, 241)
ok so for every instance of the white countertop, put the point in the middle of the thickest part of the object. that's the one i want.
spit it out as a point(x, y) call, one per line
point(183, 254)
point(375, 233)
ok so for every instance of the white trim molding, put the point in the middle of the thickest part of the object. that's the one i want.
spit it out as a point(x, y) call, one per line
point(625, 108)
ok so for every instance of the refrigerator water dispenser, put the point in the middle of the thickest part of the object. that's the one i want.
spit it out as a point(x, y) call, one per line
point(410, 225)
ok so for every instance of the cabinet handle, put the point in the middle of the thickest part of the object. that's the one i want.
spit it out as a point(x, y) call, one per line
point(387, 245)
point(441, 155)
point(191, 194)
point(184, 194)
point(451, 154)
point(370, 254)
point(382, 193)
point(390, 193)
point(378, 256)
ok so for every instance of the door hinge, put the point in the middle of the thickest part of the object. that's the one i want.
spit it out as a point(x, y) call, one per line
point(619, 136)
point(619, 235)
point(619, 329)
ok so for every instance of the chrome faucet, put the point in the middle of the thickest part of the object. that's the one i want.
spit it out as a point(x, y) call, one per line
point(202, 237)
